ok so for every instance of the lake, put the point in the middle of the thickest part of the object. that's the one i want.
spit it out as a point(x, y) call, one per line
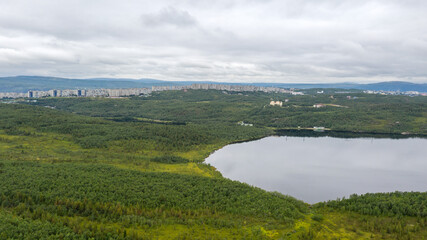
point(316, 169)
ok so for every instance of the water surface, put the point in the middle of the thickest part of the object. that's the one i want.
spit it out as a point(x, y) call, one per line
point(325, 168)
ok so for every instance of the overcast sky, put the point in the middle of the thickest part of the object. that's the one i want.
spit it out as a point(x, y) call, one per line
point(236, 41)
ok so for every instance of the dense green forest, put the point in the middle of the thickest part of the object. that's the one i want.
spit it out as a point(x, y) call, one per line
point(343, 111)
point(132, 168)
point(384, 204)
point(396, 215)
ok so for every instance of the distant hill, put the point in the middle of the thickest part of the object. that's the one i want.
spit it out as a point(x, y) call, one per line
point(25, 83)
point(385, 86)
point(394, 86)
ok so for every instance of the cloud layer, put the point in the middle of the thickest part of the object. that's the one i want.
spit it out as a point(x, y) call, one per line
point(236, 41)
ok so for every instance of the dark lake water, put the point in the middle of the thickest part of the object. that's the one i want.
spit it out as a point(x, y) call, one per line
point(316, 169)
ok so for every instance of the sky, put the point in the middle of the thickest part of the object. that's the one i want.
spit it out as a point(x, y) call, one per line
point(306, 41)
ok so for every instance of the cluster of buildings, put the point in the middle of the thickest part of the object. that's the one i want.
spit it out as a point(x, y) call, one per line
point(241, 123)
point(123, 92)
point(89, 92)
point(408, 93)
point(12, 95)
point(238, 88)
point(277, 103)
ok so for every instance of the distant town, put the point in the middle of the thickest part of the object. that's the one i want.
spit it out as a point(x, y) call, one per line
point(123, 92)
point(408, 93)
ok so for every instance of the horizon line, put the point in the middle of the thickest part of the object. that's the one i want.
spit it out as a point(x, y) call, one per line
point(213, 81)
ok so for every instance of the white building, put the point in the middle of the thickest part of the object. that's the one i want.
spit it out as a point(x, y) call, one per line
point(276, 103)
point(319, 105)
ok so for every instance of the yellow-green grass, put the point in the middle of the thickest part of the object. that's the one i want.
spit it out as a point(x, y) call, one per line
point(195, 224)
point(325, 228)
point(350, 225)
point(152, 120)
point(190, 168)
point(52, 147)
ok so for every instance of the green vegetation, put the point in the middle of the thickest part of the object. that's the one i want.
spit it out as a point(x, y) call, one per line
point(133, 168)
point(384, 204)
point(63, 192)
point(365, 113)
point(110, 140)
point(397, 215)
point(169, 159)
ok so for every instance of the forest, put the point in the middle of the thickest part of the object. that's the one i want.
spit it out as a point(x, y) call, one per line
point(132, 168)
point(355, 111)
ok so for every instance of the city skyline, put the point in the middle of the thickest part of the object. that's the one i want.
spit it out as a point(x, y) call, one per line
point(126, 92)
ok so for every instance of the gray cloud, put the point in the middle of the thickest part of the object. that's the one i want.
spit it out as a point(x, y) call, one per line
point(168, 16)
point(241, 40)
